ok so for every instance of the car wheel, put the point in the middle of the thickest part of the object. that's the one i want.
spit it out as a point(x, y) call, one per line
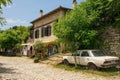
point(92, 66)
point(66, 62)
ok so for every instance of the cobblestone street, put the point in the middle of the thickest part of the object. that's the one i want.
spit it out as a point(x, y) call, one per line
point(23, 68)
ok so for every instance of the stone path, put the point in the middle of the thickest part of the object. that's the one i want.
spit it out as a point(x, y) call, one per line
point(23, 68)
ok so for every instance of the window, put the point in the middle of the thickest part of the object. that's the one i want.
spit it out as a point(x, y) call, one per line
point(98, 53)
point(85, 54)
point(46, 31)
point(37, 34)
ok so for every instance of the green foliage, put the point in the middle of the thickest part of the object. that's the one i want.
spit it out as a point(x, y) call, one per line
point(76, 28)
point(2, 21)
point(19, 55)
point(8, 39)
point(109, 11)
point(23, 33)
point(12, 38)
point(37, 58)
point(46, 55)
point(3, 3)
point(80, 25)
point(1, 30)
point(38, 46)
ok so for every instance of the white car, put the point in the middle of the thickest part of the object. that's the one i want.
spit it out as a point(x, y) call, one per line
point(93, 59)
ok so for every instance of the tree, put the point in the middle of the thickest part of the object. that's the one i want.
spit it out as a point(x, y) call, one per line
point(8, 39)
point(109, 11)
point(13, 38)
point(1, 30)
point(76, 29)
point(3, 3)
point(23, 33)
point(77, 26)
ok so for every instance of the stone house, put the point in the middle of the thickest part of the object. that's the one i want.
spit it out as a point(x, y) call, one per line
point(42, 29)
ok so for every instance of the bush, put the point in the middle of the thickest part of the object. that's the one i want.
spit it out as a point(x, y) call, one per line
point(37, 58)
point(19, 55)
point(38, 46)
point(46, 55)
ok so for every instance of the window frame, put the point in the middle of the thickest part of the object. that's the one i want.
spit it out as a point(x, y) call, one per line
point(83, 52)
point(46, 31)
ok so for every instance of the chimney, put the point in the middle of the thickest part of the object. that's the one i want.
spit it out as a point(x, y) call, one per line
point(41, 13)
point(74, 3)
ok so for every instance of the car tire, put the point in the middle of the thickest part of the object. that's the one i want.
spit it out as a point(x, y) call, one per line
point(66, 62)
point(92, 66)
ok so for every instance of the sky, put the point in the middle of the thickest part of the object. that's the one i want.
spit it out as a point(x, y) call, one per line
point(22, 12)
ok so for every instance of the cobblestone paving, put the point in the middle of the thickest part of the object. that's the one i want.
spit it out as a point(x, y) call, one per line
point(22, 68)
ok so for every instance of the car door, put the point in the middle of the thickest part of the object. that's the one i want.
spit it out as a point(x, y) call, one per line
point(73, 57)
point(84, 57)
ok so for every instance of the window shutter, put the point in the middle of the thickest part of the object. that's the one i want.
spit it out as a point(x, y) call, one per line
point(46, 31)
point(43, 32)
point(49, 30)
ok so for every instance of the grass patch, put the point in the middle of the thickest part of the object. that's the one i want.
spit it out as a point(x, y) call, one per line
point(102, 72)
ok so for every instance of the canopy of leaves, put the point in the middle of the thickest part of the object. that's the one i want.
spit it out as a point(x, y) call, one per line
point(10, 38)
point(109, 11)
point(23, 33)
point(3, 3)
point(80, 25)
point(77, 27)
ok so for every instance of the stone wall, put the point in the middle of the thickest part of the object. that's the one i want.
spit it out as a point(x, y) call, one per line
point(111, 38)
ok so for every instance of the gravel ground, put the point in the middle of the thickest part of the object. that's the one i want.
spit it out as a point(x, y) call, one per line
point(23, 68)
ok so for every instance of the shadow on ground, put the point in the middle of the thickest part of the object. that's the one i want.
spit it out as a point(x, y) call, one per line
point(6, 70)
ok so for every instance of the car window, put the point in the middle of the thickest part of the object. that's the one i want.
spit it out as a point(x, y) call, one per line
point(98, 53)
point(84, 54)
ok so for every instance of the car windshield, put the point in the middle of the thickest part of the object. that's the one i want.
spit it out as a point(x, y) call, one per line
point(98, 53)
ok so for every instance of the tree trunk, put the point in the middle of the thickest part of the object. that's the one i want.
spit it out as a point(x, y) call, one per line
point(75, 62)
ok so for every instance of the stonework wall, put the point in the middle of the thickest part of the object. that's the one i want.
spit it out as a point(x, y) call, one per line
point(112, 40)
